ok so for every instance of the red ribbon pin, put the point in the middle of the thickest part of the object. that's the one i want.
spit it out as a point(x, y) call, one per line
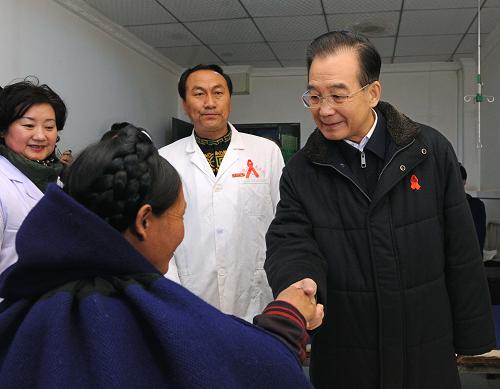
point(414, 185)
point(251, 169)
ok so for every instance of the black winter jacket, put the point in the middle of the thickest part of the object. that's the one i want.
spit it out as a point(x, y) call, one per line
point(399, 273)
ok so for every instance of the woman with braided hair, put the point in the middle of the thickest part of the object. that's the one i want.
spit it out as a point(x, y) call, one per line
point(31, 116)
point(94, 311)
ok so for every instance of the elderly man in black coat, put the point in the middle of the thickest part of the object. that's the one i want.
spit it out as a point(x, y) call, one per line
point(373, 213)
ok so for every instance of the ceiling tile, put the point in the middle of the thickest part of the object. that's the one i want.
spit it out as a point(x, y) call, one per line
point(362, 6)
point(129, 12)
point(427, 45)
point(291, 28)
point(189, 10)
point(384, 46)
point(257, 64)
point(282, 8)
point(290, 50)
point(492, 3)
point(457, 56)
point(165, 35)
point(436, 4)
point(225, 31)
point(469, 44)
point(422, 58)
point(295, 63)
point(452, 21)
point(489, 20)
point(190, 56)
point(370, 24)
point(386, 60)
point(244, 52)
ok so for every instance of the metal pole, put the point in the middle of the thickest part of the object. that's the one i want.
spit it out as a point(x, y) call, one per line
point(479, 96)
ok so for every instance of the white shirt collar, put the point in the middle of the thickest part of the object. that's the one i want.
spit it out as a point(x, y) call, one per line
point(361, 145)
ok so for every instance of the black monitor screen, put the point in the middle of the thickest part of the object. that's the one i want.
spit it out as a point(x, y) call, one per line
point(285, 135)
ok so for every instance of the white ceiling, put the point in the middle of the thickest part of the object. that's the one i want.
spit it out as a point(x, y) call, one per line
point(275, 33)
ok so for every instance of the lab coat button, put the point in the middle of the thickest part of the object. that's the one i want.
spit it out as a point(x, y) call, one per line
point(219, 230)
point(217, 188)
point(221, 273)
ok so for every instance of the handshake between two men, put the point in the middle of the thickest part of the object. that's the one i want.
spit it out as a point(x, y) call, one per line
point(302, 295)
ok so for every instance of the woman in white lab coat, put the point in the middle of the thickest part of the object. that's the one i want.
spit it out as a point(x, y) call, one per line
point(31, 116)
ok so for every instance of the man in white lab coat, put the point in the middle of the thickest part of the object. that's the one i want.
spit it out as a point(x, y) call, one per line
point(231, 186)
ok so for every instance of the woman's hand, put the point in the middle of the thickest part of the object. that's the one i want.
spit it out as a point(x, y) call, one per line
point(66, 158)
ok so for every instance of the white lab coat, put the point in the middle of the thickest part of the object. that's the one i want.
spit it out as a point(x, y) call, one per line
point(222, 256)
point(18, 195)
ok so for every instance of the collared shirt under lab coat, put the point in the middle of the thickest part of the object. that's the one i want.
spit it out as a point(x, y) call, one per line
point(18, 195)
point(222, 256)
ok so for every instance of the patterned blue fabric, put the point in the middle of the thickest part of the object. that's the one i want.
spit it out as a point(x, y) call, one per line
point(83, 309)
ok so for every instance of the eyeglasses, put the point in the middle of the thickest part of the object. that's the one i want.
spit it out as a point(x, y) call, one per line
point(314, 101)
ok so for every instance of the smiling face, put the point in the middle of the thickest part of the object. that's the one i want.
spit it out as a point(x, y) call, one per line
point(33, 135)
point(337, 74)
point(207, 103)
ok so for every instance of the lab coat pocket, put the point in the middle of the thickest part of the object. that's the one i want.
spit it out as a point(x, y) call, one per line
point(256, 197)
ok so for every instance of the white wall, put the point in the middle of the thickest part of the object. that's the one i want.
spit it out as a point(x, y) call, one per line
point(100, 79)
point(490, 113)
point(425, 92)
point(274, 97)
point(490, 126)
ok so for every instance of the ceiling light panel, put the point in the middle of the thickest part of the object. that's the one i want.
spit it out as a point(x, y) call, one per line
point(129, 12)
point(226, 31)
point(165, 35)
point(291, 28)
point(189, 10)
point(258, 8)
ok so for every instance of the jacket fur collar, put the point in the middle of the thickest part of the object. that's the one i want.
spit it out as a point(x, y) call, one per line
point(401, 128)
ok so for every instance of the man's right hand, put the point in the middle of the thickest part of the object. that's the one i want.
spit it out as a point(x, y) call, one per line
point(302, 295)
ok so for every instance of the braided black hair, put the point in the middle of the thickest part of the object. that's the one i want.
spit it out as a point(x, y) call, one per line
point(115, 127)
point(116, 177)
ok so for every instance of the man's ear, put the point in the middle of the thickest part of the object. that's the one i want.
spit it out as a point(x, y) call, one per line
point(375, 93)
point(142, 221)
